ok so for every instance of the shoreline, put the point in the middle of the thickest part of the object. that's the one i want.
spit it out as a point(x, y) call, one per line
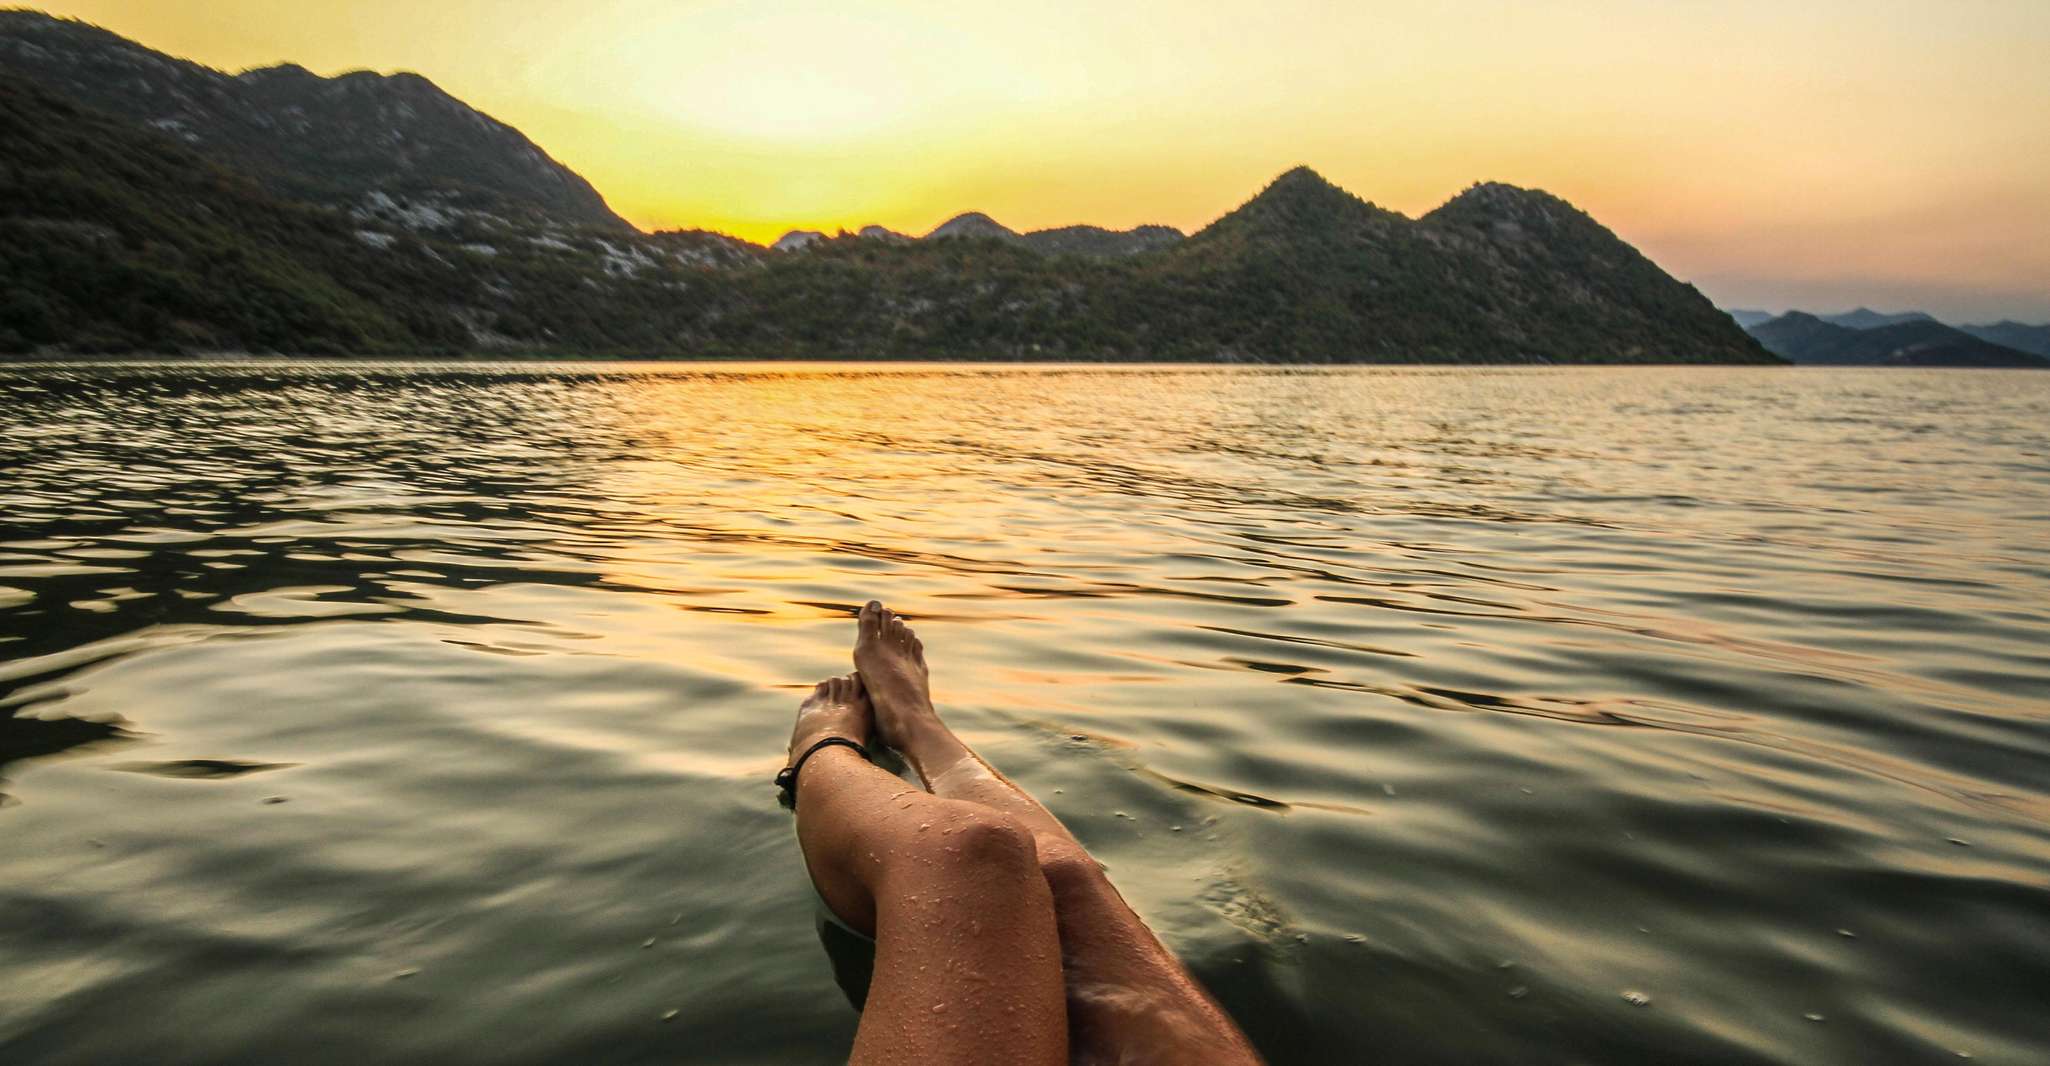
point(481, 358)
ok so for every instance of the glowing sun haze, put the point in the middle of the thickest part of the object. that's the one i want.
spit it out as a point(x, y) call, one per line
point(1819, 153)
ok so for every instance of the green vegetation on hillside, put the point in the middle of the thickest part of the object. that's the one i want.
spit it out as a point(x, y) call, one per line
point(123, 234)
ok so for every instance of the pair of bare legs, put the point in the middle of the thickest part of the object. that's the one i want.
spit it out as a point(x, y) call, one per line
point(998, 939)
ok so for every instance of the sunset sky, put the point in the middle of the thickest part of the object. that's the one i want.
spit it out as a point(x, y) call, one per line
point(1811, 153)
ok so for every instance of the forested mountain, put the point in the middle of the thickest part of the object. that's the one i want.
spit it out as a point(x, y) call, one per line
point(336, 140)
point(151, 205)
point(116, 239)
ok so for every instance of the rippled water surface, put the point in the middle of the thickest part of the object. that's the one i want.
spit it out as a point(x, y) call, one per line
point(427, 714)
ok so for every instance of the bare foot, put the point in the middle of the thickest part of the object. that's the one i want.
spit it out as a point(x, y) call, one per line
point(837, 707)
point(891, 661)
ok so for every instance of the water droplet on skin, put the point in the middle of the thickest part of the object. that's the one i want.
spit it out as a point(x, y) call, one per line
point(1636, 998)
point(939, 1008)
point(923, 826)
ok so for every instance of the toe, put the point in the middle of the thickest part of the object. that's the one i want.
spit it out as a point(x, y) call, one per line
point(872, 618)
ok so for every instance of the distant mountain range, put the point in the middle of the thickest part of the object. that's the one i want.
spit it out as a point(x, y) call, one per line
point(2032, 339)
point(1093, 242)
point(1908, 338)
point(149, 204)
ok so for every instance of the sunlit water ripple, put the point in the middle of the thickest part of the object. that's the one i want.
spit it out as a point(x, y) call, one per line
point(386, 714)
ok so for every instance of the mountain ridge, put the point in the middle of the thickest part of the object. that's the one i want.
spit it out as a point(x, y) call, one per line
point(1303, 271)
point(2022, 336)
point(1815, 340)
point(327, 139)
point(1867, 318)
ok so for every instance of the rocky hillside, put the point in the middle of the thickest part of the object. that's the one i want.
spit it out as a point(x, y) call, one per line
point(335, 140)
point(151, 205)
point(1497, 274)
point(117, 239)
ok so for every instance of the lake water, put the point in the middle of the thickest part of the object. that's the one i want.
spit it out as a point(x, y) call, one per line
point(427, 714)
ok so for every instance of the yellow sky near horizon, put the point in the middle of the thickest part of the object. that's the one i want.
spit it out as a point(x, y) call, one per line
point(1821, 153)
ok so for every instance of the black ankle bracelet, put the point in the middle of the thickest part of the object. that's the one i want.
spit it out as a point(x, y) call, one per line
point(786, 778)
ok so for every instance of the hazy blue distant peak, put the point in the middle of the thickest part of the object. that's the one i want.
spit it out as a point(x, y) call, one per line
point(2032, 339)
point(1914, 341)
point(1747, 318)
point(1866, 318)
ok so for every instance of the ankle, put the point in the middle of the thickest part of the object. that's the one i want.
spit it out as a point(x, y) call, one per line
point(930, 746)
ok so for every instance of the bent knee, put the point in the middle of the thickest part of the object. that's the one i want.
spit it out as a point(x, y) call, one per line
point(1066, 866)
point(985, 839)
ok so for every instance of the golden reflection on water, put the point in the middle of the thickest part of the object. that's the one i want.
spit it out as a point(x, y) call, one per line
point(1363, 682)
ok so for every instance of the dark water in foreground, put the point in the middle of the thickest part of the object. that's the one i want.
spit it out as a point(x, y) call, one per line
point(1481, 699)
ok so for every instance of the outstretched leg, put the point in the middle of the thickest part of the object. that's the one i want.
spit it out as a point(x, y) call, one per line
point(1129, 999)
point(967, 955)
